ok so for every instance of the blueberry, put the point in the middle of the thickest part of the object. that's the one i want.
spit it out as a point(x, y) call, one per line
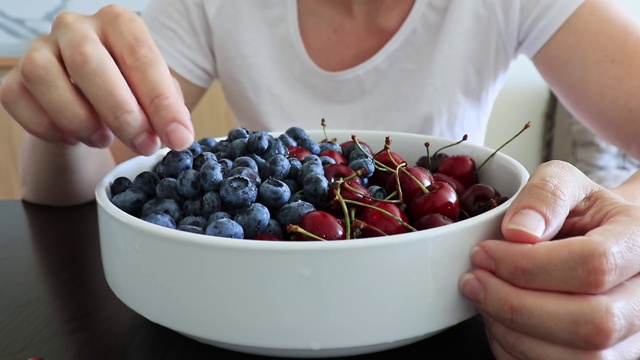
point(167, 188)
point(310, 164)
point(147, 182)
point(225, 228)
point(378, 192)
point(238, 148)
point(330, 145)
point(189, 184)
point(167, 206)
point(273, 228)
point(238, 191)
point(316, 188)
point(363, 163)
point(287, 140)
point(211, 176)
point(217, 216)
point(297, 133)
point(293, 185)
point(276, 167)
point(205, 156)
point(294, 169)
point(291, 212)
point(130, 201)
point(253, 219)
point(247, 172)
point(273, 193)
point(352, 147)
point(221, 146)
point(120, 184)
point(226, 165)
point(245, 161)
point(258, 142)
point(191, 220)
point(237, 133)
point(327, 160)
point(357, 154)
point(276, 147)
point(311, 145)
point(208, 142)
point(211, 203)
point(192, 207)
point(195, 148)
point(175, 162)
point(162, 219)
point(297, 196)
point(258, 159)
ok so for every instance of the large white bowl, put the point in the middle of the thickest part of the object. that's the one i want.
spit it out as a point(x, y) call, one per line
point(301, 299)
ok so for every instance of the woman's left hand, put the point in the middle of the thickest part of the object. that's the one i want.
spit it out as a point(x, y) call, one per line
point(566, 283)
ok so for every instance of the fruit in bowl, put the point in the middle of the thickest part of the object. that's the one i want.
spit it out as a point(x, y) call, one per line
point(375, 289)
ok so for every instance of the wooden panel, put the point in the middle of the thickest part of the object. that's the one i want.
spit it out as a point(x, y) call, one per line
point(212, 117)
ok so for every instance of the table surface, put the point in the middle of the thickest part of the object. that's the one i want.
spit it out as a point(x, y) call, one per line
point(55, 302)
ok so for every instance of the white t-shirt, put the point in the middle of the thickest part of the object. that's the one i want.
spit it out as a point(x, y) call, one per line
point(438, 75)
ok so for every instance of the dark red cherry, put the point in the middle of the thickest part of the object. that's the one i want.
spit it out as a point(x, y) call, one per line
point(267, 237)
point(441, 199)
point(334, 172)
point(389, 158)
point(479, 198)
point(375, 219)
point(457, 186)
point(430, 221)
point(461, 168)
point(298, 152)
point(349, 190)
point(409, 178)
point(318, 223)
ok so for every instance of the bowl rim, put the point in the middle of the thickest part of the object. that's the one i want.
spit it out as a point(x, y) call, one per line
point(104, 203)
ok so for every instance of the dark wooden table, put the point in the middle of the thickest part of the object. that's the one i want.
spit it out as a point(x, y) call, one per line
point(55, 303)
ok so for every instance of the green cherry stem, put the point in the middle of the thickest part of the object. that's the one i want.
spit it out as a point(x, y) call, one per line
point(525, 127)
point(404, 223)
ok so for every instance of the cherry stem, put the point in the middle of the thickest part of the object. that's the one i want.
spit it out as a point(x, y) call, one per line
point(345, 211)
point(464, 138)
point(427, 145)
point(525, 127)
point(298, 229)
point(323, 123)
point(404, 223)
point(364, 225)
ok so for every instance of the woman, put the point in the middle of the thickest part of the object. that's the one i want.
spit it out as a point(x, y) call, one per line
point(429, 66)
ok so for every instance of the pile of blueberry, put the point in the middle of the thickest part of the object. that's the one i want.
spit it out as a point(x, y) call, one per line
point(255, 185)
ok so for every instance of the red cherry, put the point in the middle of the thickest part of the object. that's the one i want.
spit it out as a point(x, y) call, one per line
point(267, 237)
point(335, 172)
point(318, 223)
point(441, 199)
point(335, 155)
point(348, 143)
point(381, 221)
point(461, 168)
point(298, 152)
point(407, 178)
point(430, 221)
point(457, 186)
point(351, 190)
point(479, 198)
point(389, 158)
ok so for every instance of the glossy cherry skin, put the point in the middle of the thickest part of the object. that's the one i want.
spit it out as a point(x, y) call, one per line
point(457, 186)
point(408, 183)
point(389, 158)
point(479, 198)
point(430, 221)
point(441, 199)
point(383, 222)
point(461, 168)
point(334, 172)
point(321, 224)
point(298, 152)
point(349, 190)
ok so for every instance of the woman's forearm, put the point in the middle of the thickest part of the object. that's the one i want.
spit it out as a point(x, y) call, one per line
point(60, 175)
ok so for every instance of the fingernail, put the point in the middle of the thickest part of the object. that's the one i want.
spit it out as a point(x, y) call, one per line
point(145, 143)
point(471, 287)
point(101, 138)
point(528, 221)
point(178, 136)
point(482, 259)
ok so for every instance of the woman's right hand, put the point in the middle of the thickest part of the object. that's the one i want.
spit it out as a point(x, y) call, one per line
point(96, 77)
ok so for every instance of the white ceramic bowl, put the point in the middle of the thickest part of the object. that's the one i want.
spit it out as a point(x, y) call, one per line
point(301, 299)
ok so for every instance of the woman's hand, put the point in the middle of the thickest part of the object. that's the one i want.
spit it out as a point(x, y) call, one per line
point(566, 283)
point(95, 77)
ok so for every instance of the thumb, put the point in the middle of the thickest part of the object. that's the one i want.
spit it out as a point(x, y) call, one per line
point(542, 206)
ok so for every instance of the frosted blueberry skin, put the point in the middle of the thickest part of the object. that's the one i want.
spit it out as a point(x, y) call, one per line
point(191, 229)
point(175, 162)
point(292, 212)
point(246, 161)
point(363, 163)
point(316, 188)
point(277, 167)
point(167, 206)
point(189, 185)
point(130, 201)
point(211, 176)
point(201, 159)
point(208, 142)
point(238, 191)
point(253, 219)
point(297, 133)
point(147, 182)
point(237, 149)
point(273, 193)
point(211, 203)
point(287, 140)
point(238, 133)
point(191, 220)
point(258, 142)
point(276, 147)
point(225, 228)
point(330, 145)
point(162, 219)
point(120, 184)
